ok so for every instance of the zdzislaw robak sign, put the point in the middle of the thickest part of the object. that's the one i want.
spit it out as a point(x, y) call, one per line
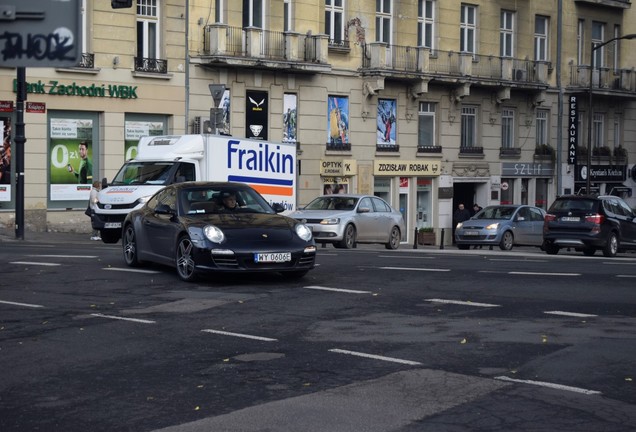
point(393, 167)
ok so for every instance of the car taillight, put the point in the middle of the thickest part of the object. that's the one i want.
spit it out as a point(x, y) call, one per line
point(595, 219)
point(549, 217)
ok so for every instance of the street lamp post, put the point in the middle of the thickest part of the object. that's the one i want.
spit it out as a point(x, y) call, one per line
point(593, 48)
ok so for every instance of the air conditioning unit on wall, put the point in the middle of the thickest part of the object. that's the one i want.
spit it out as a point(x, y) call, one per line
point(201, 126)
point(519, 74)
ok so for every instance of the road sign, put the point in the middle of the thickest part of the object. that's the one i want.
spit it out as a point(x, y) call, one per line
point(40, 33)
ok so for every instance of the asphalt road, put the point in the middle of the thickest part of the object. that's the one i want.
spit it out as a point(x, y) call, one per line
point(371, 340)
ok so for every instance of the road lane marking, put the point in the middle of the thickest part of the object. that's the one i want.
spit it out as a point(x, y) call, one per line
point(342, 290)
point(375, 357)
point(35, 263)
point(65, 256)
point(550, 385)
point(543, 274)
point(131, 270)
point(137, 320)
point(517, 260)
point(571, 314)
point(405, 257)
point(465, 303)
point(626, 276)
point(414, 269)
point(241, 335)
point(21, 304)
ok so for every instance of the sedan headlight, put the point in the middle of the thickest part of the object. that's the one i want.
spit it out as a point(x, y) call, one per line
point(330, 221)
point(459, 225)
point(303, 232)
point(492, 226)
point(214, 234)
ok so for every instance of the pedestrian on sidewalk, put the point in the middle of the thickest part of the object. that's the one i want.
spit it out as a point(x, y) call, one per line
point(92, 205)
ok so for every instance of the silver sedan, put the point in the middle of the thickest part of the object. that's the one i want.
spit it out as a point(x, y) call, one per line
point(345, 220)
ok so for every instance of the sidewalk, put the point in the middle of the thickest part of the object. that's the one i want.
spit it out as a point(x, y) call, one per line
point(8, 235)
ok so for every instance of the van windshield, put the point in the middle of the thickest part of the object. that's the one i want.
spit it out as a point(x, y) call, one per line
point(139, 173)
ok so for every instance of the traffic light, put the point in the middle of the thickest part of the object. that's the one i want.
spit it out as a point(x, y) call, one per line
point(121, 4)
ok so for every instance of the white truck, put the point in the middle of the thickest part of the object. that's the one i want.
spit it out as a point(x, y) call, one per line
point(268, 167)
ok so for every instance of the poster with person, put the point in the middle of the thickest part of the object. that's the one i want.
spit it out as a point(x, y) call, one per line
point(5, 159)
point(386, 119)
point(71, 159)
point(338, 121)
point(289, 117)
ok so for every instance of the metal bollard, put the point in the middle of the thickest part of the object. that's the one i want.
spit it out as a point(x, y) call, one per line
point(415, 239)
point(441, 242)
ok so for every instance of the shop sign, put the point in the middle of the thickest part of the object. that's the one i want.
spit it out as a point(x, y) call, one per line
point(407, 168)
point(573, 123)
point(6, 106)
point(602, 173)
point(527, 169)
point(36, 107)
point(344, 167)
point(54, 87)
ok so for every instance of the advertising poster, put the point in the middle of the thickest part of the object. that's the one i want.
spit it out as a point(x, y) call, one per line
point(337, 120)
point(134, 131)
point(387, 113)
point(224, 128)
point(5, 159)
point(256, 115)
point(289, 117)
point(71, 159)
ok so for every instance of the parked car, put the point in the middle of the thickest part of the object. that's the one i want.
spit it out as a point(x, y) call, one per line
point(345, 219)
point(186, 226)
point(502, 225)
point(589, 223)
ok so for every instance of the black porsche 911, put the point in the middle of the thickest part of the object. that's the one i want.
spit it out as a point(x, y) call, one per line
point(216, 226)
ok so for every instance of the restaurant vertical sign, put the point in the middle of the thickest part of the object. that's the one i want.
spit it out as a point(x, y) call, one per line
point(573, 133)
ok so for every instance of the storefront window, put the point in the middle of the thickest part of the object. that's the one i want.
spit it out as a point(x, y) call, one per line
point(507, 190)
point(542, 193)
point(382, 188)
point(423, 217)
point(524, 191)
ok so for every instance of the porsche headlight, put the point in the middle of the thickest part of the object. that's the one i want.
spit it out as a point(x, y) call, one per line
point(330, 221)
point(214, 234)
point(303, 232)
point(492, 226)
point(459, 225)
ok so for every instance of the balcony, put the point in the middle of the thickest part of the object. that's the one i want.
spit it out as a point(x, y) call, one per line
point(615, 81)
point(429, 149)
point(387, 148)
point(471, 151)
point(619, 4)
point(420, 63)
point(257, 48)
point(509, 152)
point(151, 65)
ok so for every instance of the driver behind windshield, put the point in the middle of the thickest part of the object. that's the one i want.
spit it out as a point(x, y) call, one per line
point(228, 199)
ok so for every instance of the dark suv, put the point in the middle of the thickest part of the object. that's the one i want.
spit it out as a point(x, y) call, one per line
point(588, 223)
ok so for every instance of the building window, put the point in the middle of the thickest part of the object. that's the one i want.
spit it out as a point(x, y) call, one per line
point(507, 128)
point(334, 20)
point(507, 33)
point(467, 28)
point(541, 24)
point(618, 141)
point(580, 32)
point(148, 29)
point(383, 21)
point(426, 23)
point(253, 13)
point(542, 127)
point(598, 36)
point(616, 59)
point(598, 126)
point(469, 127)
point(218, 11)
point(426, 125)
point(287, 15)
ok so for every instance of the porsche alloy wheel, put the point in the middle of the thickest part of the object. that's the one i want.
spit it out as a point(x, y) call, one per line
point(185, 260)
point(131, 253)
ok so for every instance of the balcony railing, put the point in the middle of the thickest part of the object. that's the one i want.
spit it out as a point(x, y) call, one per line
point(337, 146)
point(471, 150)
point(253, 44)
point(424, 61)
point(603, 78)
point(151, 65)
point(387, 148)
point(87, 61)
point(429, 149)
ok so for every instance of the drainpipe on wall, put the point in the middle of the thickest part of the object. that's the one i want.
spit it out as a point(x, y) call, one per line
point(559, 146)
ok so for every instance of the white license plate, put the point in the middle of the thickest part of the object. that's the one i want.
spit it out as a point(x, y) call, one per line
point(112, 225)
point(570, 219)
point(272, 257)
point(471, 233)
